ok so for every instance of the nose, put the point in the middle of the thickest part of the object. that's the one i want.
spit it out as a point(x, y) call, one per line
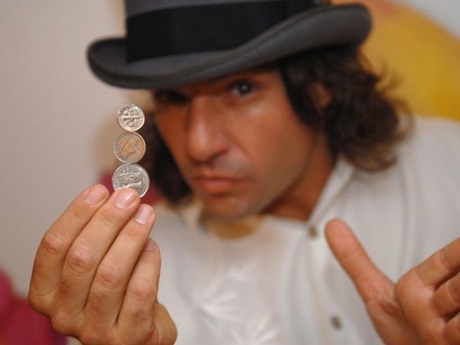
point(206, 135)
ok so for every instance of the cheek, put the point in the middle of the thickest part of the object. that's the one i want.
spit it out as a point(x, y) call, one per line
point(280, 153)
point(278, 142)
point(280, 165)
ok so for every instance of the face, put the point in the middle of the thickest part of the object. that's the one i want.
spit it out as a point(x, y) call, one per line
point(237, 142)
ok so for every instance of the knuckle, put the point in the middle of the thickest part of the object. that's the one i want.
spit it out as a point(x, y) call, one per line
point(111, 217)
point(107, 216)
point(451, 332)
point(404, 295)
point(38, 302)
point(391, 306)
point(61, 323)
point(97, 300)
point(80, 211)
point(142, 292)
point(456, 244)
point(80, 259)
point(133, 232)
point(96, 335)
point(401, 287)
point(448, 256)
point(453, 288)
point(53, 244)
point(445, 260)
point(107, 279)
point(109, 275)
point(140, 315)
point(145, 327)
point(66, 286)
point(89, 337)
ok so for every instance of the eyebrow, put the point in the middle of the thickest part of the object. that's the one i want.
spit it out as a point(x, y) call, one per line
point(214, 81)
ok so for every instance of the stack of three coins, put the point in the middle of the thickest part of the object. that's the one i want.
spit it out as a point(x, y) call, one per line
point(129, 148)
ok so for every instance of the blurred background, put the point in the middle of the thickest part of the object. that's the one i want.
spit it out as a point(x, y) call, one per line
point(58, 122)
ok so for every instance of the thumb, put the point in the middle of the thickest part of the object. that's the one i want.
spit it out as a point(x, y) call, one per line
point(370, 282)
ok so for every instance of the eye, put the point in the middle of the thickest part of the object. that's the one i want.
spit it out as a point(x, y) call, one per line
point(170, 97)
point(242, 87)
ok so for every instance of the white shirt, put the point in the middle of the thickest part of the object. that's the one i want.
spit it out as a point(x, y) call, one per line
point(280, 284)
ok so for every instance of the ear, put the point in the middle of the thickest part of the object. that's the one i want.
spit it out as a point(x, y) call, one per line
point(321, 95)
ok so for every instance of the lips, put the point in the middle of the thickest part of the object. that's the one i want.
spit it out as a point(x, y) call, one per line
point(215, 185)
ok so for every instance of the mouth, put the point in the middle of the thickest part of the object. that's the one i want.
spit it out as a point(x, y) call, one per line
point(215, 185)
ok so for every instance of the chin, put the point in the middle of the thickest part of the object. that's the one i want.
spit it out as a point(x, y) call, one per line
point(231, 209)
point(226, 214)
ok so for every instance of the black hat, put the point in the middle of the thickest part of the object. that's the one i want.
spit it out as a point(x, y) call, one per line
point(172, 42)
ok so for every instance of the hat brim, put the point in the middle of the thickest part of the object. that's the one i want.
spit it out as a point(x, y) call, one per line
point(320, 27)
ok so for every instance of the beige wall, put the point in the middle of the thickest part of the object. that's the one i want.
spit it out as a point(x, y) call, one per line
point(57, 122)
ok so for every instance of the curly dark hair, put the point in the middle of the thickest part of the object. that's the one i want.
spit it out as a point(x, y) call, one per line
point(360, 121)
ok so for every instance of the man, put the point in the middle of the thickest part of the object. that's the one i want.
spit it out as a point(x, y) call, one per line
point(267, 128)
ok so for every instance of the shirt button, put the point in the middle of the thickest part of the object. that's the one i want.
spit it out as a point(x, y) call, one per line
point(313, 232)
point(336, 322)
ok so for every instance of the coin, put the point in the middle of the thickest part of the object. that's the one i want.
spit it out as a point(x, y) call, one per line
point(129, 147)
point(130, 117)
point(131, 176)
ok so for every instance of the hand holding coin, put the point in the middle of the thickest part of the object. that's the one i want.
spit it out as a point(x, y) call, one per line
point(100, 236)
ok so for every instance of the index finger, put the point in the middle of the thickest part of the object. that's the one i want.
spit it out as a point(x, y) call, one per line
point(440, 266)
point(366, 276)
point(57, 240)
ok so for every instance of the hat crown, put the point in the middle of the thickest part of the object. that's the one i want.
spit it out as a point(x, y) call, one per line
point(136, 7)
point(157, 28)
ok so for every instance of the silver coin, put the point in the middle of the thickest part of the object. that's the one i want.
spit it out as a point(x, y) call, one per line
point(130, 117)
point(129, 147)
point(131, 176)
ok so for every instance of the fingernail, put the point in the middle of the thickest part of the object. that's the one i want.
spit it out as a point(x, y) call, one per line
point(124, 198)
point(143, 215)
point(150, 245)
point(95, 195)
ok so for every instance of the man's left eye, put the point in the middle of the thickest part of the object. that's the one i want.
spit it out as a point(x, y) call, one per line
point(242, 88)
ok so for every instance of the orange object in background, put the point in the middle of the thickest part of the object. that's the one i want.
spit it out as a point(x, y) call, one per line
point(422, 56)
